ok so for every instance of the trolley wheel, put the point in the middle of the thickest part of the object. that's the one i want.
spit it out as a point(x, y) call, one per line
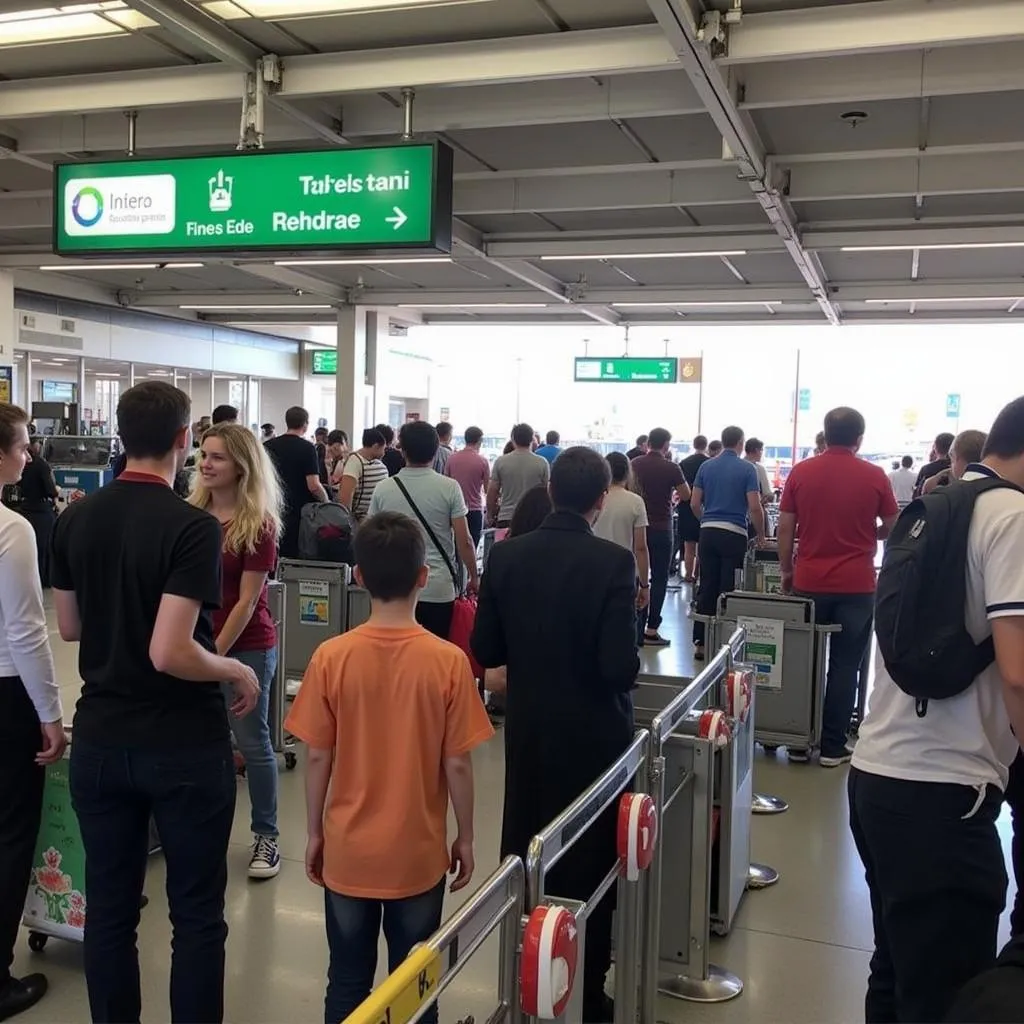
point(37, 941)
point(290, 760)
point(770, 748)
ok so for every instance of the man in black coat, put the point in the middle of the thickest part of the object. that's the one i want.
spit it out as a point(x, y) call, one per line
point(558, 607)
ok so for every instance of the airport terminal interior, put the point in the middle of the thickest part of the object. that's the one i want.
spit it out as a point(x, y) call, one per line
point(595, 216)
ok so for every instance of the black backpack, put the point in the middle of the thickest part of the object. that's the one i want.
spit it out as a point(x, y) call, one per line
point(325, 533)
point(922, 596)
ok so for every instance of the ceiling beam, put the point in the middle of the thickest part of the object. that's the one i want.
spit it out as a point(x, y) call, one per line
point(740, 140)
point(583, 54)
point(194, 26)
point(299, 283)
point(885, 25)
point(556, 245)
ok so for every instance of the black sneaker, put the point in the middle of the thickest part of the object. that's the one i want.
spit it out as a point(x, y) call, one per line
point(652, 638)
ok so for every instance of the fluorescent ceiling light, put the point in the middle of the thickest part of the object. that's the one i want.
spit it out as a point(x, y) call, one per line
point(281, 10)
point(932, 247)
point(693, 305)
point(473, 305)
point(182, 266)
point(58, 360)
point(67, 22)
point(647, 255)
point(946, 299)
point(100, 373)
point(235, 307)
point(362, 263)
point(101, 266)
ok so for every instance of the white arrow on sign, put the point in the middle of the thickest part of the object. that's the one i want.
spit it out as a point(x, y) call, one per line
point(399, 218)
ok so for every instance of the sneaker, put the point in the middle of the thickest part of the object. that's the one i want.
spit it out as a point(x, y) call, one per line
point(266, 860)
point(655, 639)
point(835, 762)
point(698, 653)
point(798, 755)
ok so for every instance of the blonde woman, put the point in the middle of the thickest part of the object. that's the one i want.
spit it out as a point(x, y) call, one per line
point(238, 485)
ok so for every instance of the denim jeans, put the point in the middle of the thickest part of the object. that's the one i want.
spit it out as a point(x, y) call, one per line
point(853, 612)
point(252, 737)
point(659, 547)
point(190, 792)
point(353, 928)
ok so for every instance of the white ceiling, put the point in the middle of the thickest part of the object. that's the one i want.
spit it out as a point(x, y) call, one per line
point(619, 129)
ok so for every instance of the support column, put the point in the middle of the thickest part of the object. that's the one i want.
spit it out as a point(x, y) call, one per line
point(355, 323)
point(8, 332)
point(377, 367)
point(76, 427)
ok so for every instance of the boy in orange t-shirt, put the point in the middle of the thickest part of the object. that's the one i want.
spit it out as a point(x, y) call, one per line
point(390, 714)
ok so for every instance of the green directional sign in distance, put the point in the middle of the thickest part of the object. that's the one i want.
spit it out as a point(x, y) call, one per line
point(626, 371)
point(329, 201)
point(325, 361)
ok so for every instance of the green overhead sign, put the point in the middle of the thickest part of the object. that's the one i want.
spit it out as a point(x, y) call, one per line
point(327, 201)
point(625, 371)
point(325, 361)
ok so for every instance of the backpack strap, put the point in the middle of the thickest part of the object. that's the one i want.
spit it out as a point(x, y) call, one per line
point(456, 581)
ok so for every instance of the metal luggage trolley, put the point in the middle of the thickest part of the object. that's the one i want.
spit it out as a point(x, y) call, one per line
point(417, 983)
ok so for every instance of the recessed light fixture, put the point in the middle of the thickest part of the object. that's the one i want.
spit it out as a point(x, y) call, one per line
point(943, 299)
point(369, 262)
point(647, 255)
point(234, 308)
point(100, 373)
point(932, 247)
point(693, 305)
point(280, 10)
point(473, 305)
point(100, 266)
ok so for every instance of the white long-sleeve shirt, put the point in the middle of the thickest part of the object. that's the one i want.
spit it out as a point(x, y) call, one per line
point(24, 641)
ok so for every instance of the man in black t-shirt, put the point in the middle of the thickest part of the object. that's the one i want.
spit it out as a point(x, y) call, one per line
point(689, 526)
point(296, 462)
point(940, 461)
point(392, 457)
point(38, 498)
point(135, 572)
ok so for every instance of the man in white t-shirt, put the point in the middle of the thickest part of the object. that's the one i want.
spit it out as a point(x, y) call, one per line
point(362, 473)
point(925, 791)
point(903, 481)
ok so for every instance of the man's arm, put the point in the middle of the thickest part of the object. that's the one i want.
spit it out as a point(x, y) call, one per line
point(786, 537)
point(617, 660)
point(458, 772)
point(888, 508)
point(756, 511)
point(643, 565)
point(493, 496)
point(683, 492)
point(1008, 637)
point(464, 545)
point(316, 488)
point(69, 622)
point(697, 501)
point(888, 522)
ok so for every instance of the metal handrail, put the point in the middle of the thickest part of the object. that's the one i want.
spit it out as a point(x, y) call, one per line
point(556, 839)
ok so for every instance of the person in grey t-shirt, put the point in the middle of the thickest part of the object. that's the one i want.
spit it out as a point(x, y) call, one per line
point(513, 475)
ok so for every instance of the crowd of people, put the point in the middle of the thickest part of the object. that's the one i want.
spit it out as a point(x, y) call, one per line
point(167, 599)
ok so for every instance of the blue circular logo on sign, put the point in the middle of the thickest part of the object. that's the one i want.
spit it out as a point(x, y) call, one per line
point(87, 206)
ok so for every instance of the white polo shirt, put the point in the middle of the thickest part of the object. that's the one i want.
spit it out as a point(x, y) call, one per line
point(965, 740)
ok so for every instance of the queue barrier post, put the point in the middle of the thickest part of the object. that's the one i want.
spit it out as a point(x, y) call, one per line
point(418, 982)
point(637, 835)
point(681, 772)
point(279, 740)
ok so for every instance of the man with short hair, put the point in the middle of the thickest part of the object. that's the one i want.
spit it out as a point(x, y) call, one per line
point(472, 472)
point(639, 449)
point(658, 480)
point(926, 789)
point(836, 503)
point(392, 458)
point(444, 447)
point(966, 448)
point(362, 473)
point(903, 481)
point(727, 500)
point(136, 572)
point(224, 414)
point(437, 505)
point(754, 453)
point(689, 525)
point(939, 461)
point(295, 460)
point(557, 607)
point(551, 449)
point(513, 475)
point(714, 449)
point(267, 432)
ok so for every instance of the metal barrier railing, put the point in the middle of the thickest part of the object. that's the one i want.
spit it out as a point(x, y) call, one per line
point(418, 982)
point(663, 727)
point(553, 842)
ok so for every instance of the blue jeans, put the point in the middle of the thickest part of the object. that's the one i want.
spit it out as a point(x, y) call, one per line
point(854, 613)
point(252, 736)
point(659, 548)
point(353, 928)
point(190, 792)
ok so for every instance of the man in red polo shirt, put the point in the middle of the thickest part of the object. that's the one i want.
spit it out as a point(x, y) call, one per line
point(835, 503)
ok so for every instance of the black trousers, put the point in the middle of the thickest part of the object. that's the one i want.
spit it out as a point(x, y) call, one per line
point(935, 872)
point(475, 522)
point(42, 521)
point(721, 553)
point(21, 804)
point(435, 617)
point(659, 549)
point(1015, 798)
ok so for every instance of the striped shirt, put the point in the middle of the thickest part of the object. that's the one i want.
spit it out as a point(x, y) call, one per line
point(367, 474)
